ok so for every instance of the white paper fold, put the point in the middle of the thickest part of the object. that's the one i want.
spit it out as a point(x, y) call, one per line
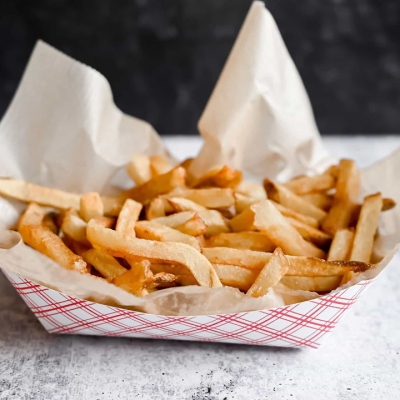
point(63, 130)
point(259, 118)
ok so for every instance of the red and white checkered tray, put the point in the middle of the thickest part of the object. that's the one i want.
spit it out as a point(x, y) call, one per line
point(297, 325)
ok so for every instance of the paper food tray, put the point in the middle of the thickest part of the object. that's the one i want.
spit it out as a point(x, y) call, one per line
point(68, 107)
point(298, 325)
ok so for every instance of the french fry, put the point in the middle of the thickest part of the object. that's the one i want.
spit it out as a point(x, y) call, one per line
point(105, 222)
point(127, 246)
point(312, 284)
point(134, 280)
point(287, 212)
point(366, 228)
point(320, 200)
point(333, 170)
point(387, 204)
point(138, 169)
point(28, 192)
point(348, 182)
point(161, 279)
point(46, 242)
point(158, 185)
point(33, 215)
point(175, 219)
point(105, 264)
point(341, 245)
point(91, 206)
point(75, 227)
point(229, 275)
point(270, 275)
point(253, 190)
point(186, 164)
point(339, 217)
point(242, 202)
point(49, 222)
point(209, 197)
point(181, 204)
point(159, 165)
point(128, 216)
point(237, 277)
point(311, 184)
point(154, 231)
point(214, 222)
point(220, 176)
point(241, 240)
point(313, 235)
point(156, 208)
point(186, 222)
point(287, 198)
point(112, 205)
point(264, 217)
point(298, 266)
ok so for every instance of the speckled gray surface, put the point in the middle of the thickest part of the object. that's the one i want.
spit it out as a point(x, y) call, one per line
point(360, 359)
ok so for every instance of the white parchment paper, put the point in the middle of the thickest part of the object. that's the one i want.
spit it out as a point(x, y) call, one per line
point(63, 130)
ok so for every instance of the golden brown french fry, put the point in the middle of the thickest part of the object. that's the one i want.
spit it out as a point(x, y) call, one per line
point(387, 204)
point(333, 170)
point(91, 206)
point(241, 240)
point(154, 231)
point(159, 165)
point(138, 169)
point(33, 215)
point(299, 266)
point(209, 197)
point(156, 208)
point(264, 217)
point(220, 176)
point(287, 212)
point(320, 200)
point(105, 222)
point(230, 275)
point(348, 182)
point(366, 228)
point(237, 277)
point(270, 275)
point(181, 204)
point(214, 221)
point(75, 227)
point(312, 284)
point(134, 280)
point(161, 279)
point(46, 242)
point(186, 222)
point(127, 246)
point(311, 184)
point(190, 179)
point(104, 263)
point(287, 198)
point(49, 222)
point(158, 185)
point(28, 192)
point(128, 216)
point(112, 205)
point(339, 217)
point(341, 245)
point(242, 202)
point(313, 235)
point(253, 190)
point(76, 247)
point(175, 219)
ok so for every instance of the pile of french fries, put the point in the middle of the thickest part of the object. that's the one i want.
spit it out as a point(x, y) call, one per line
point(172, 229)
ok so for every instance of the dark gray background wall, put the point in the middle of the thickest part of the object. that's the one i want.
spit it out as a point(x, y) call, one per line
point(163, 58)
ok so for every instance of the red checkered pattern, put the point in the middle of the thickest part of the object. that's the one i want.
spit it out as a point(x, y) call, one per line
point(298, 325)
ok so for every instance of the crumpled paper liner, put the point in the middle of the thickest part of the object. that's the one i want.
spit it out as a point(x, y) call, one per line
point(63, 130)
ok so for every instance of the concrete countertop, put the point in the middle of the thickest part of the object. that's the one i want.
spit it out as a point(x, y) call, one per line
point(360, 359)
